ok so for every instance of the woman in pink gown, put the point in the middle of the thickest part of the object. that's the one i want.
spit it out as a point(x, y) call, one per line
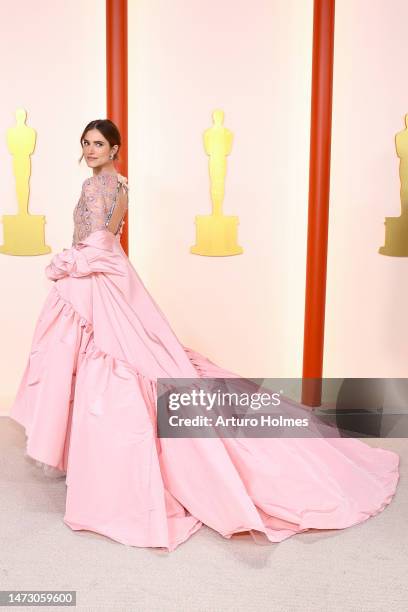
point(87, 401)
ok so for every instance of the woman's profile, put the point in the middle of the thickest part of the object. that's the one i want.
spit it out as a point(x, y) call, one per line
point(87, 401)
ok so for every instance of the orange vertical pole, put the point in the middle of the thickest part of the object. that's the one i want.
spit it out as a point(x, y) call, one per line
point(319, 189)
point(117, 83)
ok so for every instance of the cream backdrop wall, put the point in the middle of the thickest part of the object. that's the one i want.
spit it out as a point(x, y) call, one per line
point(53, 65)
point(253, 60)
point(186, 58)
point(367, 294)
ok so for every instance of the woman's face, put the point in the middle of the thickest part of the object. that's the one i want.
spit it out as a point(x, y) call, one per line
point(96, 149)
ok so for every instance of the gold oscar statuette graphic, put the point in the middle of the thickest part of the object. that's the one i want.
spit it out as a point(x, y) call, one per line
point(23, 234)
point(216, 234)
point(396, 228)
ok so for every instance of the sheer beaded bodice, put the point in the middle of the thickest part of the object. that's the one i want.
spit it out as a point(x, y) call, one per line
point(99, 197)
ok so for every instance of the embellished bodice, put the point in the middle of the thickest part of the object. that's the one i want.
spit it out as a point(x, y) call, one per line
point(99, 197)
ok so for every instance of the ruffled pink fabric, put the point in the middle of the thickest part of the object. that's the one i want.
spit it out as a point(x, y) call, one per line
point(87, 401)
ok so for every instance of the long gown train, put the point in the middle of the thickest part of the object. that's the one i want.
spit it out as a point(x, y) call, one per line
point(87, 401)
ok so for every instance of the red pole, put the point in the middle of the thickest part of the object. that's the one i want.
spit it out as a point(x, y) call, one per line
point(319, 190)
point(117, 83)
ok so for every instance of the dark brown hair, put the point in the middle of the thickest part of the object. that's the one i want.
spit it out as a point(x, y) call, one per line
point(108, 129)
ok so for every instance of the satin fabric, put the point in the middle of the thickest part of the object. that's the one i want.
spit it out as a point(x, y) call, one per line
point(87, 401)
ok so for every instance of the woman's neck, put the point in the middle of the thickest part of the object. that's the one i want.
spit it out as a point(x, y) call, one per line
point(106, 169)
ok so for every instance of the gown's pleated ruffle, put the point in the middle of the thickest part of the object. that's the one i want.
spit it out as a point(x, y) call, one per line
point(91, 416)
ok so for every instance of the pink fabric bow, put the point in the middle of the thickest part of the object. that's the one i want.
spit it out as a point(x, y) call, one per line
point(94, 254)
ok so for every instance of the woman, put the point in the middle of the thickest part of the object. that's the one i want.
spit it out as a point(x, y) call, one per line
point(87, 401)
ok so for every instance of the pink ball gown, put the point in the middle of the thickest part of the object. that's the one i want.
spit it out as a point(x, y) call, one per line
point(87, 401)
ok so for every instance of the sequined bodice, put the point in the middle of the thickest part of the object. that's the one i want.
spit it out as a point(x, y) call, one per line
point(96, 204)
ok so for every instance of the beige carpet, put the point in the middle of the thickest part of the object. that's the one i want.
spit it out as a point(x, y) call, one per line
point(362, 568)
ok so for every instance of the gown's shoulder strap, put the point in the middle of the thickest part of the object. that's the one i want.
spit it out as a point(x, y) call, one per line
point(121, 184)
